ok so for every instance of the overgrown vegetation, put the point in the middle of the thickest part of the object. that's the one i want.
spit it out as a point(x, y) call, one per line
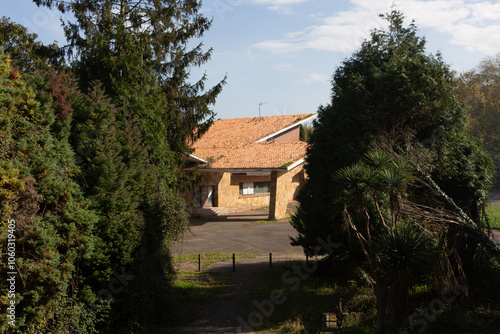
point(479, 89)
point(93, 143)
point(93, 138)
point(406, 187)
point(339, 278)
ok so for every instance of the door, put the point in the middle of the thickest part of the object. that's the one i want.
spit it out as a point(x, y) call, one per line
point(207, 196)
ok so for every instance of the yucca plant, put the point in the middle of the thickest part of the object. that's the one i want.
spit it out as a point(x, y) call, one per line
point(405, 254)
point(396, 250)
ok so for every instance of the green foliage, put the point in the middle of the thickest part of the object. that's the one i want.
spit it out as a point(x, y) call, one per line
point(27, 53)
point(10, 187)
point(479, 90)
point(305, 132)
point(397, 252)
point(465, 172)
point(392, 99)
point(393, 95)
point(53, 223)
point(406, 254)
point(134, 63)
point(131, 129)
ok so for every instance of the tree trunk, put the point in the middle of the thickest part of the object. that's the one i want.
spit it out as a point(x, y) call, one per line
point(381, 295)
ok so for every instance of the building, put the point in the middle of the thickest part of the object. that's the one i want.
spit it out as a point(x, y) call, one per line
point(251, 162)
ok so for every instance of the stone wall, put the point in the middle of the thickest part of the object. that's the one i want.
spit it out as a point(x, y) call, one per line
point(227, 188)
point(287, 186)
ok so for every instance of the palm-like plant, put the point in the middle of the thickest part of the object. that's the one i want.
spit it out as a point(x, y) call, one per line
point(401, 252)
point(405, 254)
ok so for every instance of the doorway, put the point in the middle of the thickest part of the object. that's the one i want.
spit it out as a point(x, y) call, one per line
point(203, 197)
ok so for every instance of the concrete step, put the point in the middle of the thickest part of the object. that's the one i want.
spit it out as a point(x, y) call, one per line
point(211, 212)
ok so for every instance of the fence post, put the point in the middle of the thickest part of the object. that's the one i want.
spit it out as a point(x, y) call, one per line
point(234, 263)
point(270, 260)
point(199, 262)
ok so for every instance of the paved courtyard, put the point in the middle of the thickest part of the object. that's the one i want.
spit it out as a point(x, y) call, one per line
point(238, 233)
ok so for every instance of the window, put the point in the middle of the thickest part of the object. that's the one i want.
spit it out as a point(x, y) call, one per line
point(261, 187)
point(254, 188)
point(246, 188)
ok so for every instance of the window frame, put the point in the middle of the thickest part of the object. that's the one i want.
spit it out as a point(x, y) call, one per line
point(250, 191)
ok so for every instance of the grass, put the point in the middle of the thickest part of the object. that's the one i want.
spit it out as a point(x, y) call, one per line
point(493, 213)
point(193, 288)
point(305, 296)
point(266, 221)
point(208, 258)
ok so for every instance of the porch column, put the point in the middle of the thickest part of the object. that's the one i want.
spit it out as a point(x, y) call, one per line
point(273, 193)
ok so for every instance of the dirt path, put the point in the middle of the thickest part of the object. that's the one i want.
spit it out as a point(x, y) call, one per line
point(228, 312)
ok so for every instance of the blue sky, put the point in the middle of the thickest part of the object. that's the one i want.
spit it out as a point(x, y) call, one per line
point(283, 52)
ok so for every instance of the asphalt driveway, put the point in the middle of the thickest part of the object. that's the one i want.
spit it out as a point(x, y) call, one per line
point(238, 233)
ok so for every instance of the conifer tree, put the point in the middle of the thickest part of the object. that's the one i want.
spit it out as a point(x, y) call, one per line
point(391, 95)
point(138, 51)
point(53, 223)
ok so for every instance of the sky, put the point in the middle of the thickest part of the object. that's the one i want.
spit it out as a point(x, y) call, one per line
point(279, 55)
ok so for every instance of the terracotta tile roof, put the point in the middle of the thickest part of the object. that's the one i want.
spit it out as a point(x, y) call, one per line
point(230, 143)
point(258, 155)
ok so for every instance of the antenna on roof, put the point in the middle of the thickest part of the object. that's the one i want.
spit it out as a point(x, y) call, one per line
point(261, 103)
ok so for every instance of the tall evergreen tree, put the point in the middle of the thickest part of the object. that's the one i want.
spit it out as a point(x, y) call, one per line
point(389, 93)
point(138, 138)
point(53, 223)
point(139, 49)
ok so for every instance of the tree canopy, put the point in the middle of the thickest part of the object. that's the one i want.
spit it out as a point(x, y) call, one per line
point(480, 91)
point(94, 138)
point(389, 93)
point(393, 99)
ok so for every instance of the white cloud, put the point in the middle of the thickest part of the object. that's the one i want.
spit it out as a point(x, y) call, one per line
point(474, 25)
point(280, 6)
point(305, 78)
point(311, 78)
point(278, 2)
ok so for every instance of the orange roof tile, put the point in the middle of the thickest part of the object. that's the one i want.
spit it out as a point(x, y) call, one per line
point(231, 143)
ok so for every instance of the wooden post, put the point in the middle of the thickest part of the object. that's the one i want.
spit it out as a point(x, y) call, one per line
point(199, 262)
point(270, 260)
point(234, 263)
